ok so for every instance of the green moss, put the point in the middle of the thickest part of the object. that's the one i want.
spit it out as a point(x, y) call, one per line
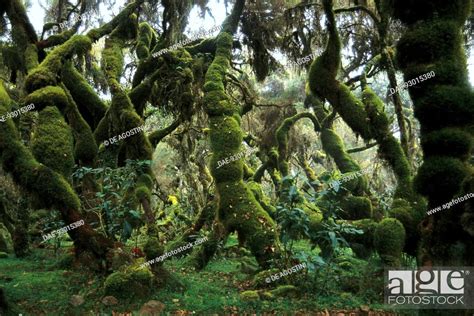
point(315, 220)
point(389, 147)
point(356, 207)
point(449, 142)
point(249, 296)
point(112, 58)
point(260, 279)
point(230, 171)
point(324, 69)
point(127, 28)
point(352, 111)
point(363, 244)
point(129, 284)
point(448, 72)
point(144, 40)
point(51, 187)
point(240, 212)
point(124, 23)
point(238, 209)
point(217, 104)
point(375, 111)
point(31, 57)
point(366, 117)
point(265, 295)
point(429, 42)
point(445, 106)
point(5, 102)
point(410, 11)
point(261, 198)
point(282, 135)
point(389, 240)
point(89, 104)
point(141, 92)
point(447, 173)
point(153, 249)
point(101, 133)
point(405, 215)
point(391, 150)
point(142, 193)
point(226, 135)
point(285, 291)
point(47, 96)
point(53, 142)
point(248, 172)
point(112, 55)
point(38, 78)
point(46, 73)
point(333, 145)
point(85, 148)
point(309, 172)
point(123, 118)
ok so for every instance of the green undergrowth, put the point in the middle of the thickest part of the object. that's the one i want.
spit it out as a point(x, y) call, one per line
point(39, 285)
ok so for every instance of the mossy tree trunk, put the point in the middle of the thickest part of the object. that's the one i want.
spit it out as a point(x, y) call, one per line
point(444, 105)
point(238, 209)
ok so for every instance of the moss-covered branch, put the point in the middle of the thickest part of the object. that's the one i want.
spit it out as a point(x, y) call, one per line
point(48, 72)
point(158, 135)
point(119, 19)
point(334, 146)
point(88, 102)
point(366, 117)
point(282, 135)
point(85, 147)
point(146, 40)
point(51, 187)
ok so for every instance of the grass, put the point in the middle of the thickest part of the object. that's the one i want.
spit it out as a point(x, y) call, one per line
point(37, 285)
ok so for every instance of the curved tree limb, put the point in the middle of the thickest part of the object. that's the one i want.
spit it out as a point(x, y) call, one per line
point(363, 8)
point(158, 135)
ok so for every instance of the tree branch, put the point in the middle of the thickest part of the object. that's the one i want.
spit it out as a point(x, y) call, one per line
point(359, 149)
point(158, 135)
point(359, 8)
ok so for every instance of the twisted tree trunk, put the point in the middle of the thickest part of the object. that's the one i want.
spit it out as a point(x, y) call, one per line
point(237, 208)
point(444, 106)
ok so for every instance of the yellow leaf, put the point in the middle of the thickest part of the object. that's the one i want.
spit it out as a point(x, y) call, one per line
point(173, 199)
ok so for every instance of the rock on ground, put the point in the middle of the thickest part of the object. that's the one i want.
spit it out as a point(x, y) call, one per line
point(152, 308)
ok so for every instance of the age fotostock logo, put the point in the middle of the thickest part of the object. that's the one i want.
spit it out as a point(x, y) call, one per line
point(433, 288)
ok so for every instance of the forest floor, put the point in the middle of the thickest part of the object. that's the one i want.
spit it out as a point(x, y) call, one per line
point(40, 285)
